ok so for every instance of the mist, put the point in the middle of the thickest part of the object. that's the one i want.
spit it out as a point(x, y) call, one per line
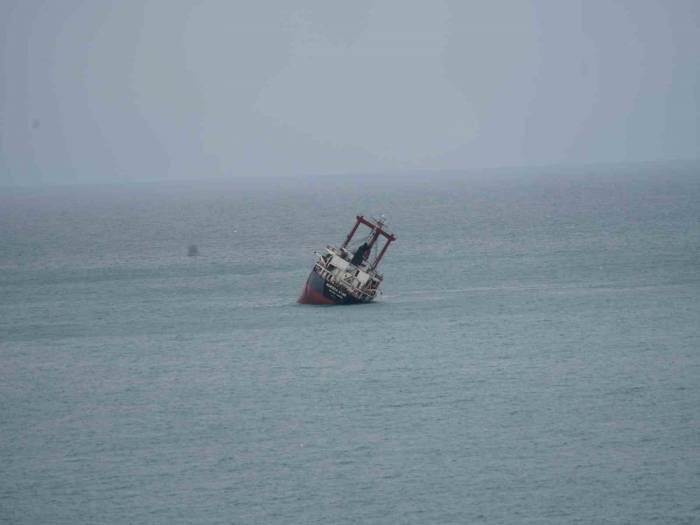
point(171, 90)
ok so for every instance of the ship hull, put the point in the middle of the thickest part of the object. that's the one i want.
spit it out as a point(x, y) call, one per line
point(318, 291)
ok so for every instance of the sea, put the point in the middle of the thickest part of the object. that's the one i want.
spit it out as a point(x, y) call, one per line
point(534, 357)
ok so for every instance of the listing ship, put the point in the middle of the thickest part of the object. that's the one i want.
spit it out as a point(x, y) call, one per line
point(349, 276)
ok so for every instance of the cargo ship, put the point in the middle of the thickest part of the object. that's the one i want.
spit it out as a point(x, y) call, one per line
point(348, 274)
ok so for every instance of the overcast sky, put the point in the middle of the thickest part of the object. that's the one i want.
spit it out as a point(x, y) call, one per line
point(166, 89)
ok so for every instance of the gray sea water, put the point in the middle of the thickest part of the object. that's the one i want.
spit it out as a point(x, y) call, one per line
point(535, 357)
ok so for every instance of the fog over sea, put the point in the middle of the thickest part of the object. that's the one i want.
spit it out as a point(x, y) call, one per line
point(535, 356)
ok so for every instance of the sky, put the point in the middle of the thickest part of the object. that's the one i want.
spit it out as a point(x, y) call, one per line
point(129, 90)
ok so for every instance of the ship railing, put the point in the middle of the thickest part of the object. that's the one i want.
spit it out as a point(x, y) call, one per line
point(357, 292)
point(360, 293)
point(323, 272)
point(347, 283)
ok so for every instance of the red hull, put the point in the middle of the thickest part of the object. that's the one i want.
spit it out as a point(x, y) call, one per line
point(311, 296)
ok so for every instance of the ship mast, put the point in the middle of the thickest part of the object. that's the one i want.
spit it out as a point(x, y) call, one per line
point(377, 231)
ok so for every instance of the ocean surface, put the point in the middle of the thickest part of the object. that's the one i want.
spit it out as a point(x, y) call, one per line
point(535, 356)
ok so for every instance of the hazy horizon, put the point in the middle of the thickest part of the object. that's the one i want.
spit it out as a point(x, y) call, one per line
point(128, 92)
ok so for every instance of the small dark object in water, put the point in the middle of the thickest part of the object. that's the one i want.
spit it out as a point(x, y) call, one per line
point(192, 251)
